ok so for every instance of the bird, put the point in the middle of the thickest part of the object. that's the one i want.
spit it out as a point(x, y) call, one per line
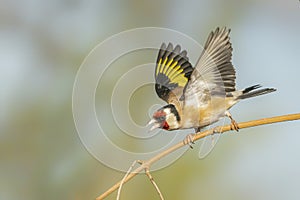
point(198, 96)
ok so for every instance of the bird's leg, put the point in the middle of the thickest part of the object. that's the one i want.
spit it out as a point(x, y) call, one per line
point(198, 129)
point(234, 125)
point(189, 139)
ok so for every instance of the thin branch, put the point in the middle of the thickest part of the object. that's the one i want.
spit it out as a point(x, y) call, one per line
point(147, 171)
point(220, 129)
point(154, 184)
point(122, 182)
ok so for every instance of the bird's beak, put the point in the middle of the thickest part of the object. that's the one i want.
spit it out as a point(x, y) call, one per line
point(152, 121)
point(155, 124)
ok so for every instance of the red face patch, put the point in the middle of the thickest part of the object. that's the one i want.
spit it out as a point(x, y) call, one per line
point(159, 113)
point(165, 125)
point(160, 117)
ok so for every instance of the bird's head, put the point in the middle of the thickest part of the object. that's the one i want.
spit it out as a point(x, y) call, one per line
point(165, 118)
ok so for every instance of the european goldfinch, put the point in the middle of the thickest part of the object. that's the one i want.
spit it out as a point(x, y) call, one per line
point(200, 96)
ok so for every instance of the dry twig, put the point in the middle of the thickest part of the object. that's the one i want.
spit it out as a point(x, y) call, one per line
point(153, 182)
point(220, 129)
point(122, 182)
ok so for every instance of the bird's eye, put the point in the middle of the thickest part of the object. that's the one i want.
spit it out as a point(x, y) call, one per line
point(162, 118)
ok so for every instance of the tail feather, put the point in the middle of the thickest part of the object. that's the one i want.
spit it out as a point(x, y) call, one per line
point(248, 92)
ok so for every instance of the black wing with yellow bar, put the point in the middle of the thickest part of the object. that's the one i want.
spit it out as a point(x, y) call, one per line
point(173, 70)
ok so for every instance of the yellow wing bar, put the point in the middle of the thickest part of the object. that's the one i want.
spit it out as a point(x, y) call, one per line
point(172, 70)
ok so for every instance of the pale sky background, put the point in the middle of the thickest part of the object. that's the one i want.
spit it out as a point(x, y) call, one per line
point(42, 45)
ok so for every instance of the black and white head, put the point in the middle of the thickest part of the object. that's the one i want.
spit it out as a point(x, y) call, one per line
point(166, 118)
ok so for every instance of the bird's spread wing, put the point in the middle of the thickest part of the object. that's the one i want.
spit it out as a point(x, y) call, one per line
point(214, 73)
point(172, 72)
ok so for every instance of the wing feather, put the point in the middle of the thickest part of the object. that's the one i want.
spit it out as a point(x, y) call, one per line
point(173, 71)
point(214, 71)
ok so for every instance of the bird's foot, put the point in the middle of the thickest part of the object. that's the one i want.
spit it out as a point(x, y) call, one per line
point(189, 139)
point(233, 125)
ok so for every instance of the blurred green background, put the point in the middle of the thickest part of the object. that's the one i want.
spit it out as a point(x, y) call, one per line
point(43, 44)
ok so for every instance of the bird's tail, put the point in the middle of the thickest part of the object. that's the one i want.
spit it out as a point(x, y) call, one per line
point(252, 92)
